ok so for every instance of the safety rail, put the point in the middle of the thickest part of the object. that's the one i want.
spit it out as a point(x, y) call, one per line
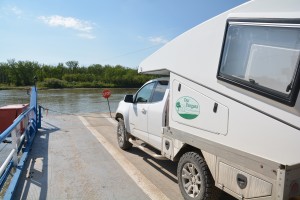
point(21, 133)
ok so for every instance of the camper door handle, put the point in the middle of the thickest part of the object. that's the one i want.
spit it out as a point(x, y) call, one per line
point(215, 108)
point(241, 181)
point(144, 111)
point(179, 87)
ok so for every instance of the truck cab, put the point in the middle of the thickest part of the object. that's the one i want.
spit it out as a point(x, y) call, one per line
point(144, 113)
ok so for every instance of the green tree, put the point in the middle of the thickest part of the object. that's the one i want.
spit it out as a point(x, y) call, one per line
point(21, 73)
point(73, 66)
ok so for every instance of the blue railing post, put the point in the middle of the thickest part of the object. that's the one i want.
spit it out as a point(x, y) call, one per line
point(40, 117)
point(33, 103)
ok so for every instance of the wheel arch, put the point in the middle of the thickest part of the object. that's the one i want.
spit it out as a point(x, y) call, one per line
point(119, 116)
point(187, 148)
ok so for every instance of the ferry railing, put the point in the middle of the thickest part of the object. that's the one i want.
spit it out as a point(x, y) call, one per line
point(22, 133)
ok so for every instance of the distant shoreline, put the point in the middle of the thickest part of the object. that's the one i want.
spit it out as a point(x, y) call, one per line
point(70, 88)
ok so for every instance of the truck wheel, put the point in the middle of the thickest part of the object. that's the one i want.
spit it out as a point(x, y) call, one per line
point(122, 136)
point(194, 178)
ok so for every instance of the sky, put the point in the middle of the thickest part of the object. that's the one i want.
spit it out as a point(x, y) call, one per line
point(114, 32)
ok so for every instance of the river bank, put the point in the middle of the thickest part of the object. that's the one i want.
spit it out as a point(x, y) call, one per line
point(7, 87)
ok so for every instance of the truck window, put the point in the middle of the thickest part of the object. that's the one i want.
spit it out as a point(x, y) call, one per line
point(262, 57)
point(144, 94)
point(159, 91)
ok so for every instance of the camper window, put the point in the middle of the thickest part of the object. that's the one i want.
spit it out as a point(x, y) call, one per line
point(262, 57)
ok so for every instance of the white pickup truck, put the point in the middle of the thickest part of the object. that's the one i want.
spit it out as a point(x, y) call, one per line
point(228, 105)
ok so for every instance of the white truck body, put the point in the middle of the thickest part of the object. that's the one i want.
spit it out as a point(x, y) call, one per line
point(233, 93)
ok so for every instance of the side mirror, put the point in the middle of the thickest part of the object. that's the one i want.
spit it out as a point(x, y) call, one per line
point(128, 98)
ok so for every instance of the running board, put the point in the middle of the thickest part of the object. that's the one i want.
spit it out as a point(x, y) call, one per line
point(147, 150)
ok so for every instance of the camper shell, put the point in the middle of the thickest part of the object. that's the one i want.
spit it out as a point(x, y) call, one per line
point(233, 94)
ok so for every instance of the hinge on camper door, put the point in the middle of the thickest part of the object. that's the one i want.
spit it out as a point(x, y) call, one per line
point(281, 173)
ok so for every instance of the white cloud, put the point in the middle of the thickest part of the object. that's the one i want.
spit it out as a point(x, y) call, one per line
point(67, 22)
point(83, 27)
point(157, 40)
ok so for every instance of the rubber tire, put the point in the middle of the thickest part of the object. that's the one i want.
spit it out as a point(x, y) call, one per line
point(207, 188)
point(122, 136)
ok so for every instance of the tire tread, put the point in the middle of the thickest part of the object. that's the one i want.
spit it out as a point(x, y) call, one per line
point(126, 145)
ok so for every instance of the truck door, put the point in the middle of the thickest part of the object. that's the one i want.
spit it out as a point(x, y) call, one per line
point(139, 111)
point(156, 113)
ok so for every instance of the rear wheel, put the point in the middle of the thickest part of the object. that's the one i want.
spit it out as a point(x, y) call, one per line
point(194, 178)
point(122, 136)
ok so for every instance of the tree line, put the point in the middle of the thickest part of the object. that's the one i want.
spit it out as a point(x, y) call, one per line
point(69, 75)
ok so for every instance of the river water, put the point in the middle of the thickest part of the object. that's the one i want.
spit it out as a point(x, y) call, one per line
point(68, 101)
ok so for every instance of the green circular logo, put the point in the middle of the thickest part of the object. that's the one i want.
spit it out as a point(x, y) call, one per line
point(187, 107)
